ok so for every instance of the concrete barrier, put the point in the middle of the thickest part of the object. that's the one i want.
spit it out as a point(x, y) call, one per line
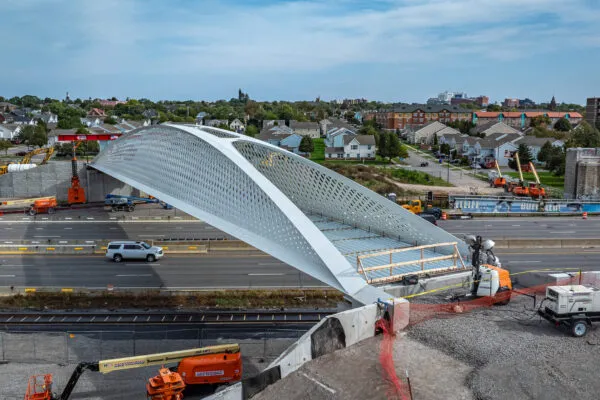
point(334, 332)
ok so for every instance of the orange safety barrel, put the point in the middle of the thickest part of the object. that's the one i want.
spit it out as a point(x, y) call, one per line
point(584, 215)
point(444, 216)
point(167, 385)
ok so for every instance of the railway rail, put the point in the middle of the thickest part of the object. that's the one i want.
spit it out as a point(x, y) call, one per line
point(164, 318)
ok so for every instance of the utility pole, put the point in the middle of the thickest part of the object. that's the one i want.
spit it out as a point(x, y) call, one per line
point(449, 154)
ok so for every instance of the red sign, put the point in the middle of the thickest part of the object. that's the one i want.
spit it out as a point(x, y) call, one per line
point(72, 138)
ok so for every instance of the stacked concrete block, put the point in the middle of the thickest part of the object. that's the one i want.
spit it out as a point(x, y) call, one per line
point(582, 173)
point(54, 179)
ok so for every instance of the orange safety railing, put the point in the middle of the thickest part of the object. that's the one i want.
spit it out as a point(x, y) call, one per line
point(39, 387)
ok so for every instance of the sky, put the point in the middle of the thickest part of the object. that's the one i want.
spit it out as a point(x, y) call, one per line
point(384, 50)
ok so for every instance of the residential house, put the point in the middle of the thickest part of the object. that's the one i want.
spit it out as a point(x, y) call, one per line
point(281, 137)
point(7, 107)
point(357, 147)
point(416, 116)
point(23, 119)
point(425, 134)
point(324, 125)
point(273, 122)
point(200, 118)
point(47, 118)
point(91, 121)
point(535, 144)
point(96, 113)
point(237, 126)
point(493, 127)
point(310, 129)
point(215, 123)
point(6, 133)
point(151, 114)
point(522, 119)
point(335, 136)
point(495, 146)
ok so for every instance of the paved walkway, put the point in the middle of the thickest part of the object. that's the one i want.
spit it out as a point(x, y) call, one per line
point(456, 176)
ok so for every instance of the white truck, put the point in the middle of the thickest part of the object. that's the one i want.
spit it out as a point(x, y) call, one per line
point(575, 306)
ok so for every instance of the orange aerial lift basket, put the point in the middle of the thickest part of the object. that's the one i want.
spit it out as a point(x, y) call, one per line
point(167, 385)
point(39, 387)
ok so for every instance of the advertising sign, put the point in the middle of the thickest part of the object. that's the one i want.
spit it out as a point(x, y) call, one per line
point(482, 205)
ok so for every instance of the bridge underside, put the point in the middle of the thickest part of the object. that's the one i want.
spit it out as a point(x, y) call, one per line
point(300, 212)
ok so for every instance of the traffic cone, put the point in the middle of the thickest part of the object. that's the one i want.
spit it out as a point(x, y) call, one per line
point(584, 215)
point(444, 216)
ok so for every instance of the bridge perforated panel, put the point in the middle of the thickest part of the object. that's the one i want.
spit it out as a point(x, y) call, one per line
point(187, 168)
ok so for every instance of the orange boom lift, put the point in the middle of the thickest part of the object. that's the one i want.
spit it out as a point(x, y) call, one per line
point(76, 193)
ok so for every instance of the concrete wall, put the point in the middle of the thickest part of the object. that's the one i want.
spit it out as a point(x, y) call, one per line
point(54, 179)
point(582, 170)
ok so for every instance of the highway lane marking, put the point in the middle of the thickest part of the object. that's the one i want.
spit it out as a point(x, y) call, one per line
point(16, 265)
point(258, 274)
point(564, 232)
point(140, 264)
point(113, 228)
point(151, 235)
point(272, 263)
point(330, 390)
point(7, 276)
point(130, 275)
point(520, 261)
point(8, 229)
point(516, 225)
point(46, 236)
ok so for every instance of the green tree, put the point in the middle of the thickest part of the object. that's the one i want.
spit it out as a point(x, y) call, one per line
point(110, 120)
point(5, 145)
point(306, 145)
point(251, 130)
point(435, 140)
point(494, 108)
point(545, 152)
point(39, 137)
point(563, 125)
point(394, 146)
point(524, 157)
point(444, 148)
point(540, 120)
point(382, 146)
point(585, 135)
point(26, 134)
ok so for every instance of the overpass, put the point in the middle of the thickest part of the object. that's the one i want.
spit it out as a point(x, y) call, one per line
point(300, 212)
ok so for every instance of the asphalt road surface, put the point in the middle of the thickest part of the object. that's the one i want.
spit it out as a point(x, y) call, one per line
point(180, 272)
point(498, 228)
point(535, 227)
point(175, 272)
point(91, 230)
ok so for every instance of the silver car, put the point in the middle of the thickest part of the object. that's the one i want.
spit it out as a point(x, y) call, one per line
point(118, 251)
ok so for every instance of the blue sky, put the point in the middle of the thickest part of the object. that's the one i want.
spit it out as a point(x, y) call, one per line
point(406, 50)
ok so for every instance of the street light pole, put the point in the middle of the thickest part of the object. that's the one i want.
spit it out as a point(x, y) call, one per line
point(449, 154)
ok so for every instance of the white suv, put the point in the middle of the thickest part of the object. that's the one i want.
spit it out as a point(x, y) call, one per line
point(118, 251)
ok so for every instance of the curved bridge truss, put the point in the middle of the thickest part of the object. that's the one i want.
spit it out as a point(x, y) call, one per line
point(272, 199)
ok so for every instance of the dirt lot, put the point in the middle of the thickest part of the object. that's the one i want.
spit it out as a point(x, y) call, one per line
point(502, 353)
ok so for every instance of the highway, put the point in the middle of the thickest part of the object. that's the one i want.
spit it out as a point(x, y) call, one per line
point(213, 272)
point(494, 228)
point(170, 272)
point(526, 227)
point(91, 230)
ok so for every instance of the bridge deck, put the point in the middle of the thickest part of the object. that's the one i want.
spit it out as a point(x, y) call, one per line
point(352, 242)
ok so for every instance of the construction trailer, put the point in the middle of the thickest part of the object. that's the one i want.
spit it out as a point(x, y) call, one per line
point(212, 365)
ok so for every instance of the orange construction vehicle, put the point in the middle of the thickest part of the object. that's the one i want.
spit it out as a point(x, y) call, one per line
point(46, 205)
point(536, 190)
point(499, 181)
point(76, 193)
point(212, 365)
point(520, 189)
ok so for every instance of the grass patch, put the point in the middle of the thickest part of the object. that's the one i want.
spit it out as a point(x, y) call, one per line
point(318, 155)
point(154, 299)
point(547, 178)
point(371, 177)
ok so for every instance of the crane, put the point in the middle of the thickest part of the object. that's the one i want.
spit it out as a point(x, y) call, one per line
point(520, 189)
point(535, 189)
point(200, 366)
point(499, 181)
point(76, 194)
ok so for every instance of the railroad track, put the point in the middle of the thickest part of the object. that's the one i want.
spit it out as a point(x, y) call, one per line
point(154, 318)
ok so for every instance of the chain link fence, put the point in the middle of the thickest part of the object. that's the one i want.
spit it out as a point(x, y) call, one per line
point(74, 347)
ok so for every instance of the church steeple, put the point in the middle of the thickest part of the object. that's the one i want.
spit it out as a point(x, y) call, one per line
point(552, 105)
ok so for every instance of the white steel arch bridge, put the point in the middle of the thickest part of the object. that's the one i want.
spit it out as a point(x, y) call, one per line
point(304, 214)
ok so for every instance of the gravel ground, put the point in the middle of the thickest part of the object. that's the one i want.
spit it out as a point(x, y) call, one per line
point(515, 354)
